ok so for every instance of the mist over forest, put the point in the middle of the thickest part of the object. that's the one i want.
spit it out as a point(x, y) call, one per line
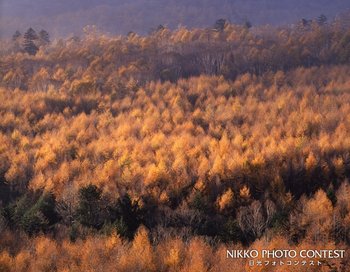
point(66, 17)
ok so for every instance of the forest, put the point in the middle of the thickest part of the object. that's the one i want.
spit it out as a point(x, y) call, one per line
point(160, 152)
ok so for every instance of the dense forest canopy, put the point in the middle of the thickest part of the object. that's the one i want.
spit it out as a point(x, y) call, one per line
point(185, 141)
point(64, 17)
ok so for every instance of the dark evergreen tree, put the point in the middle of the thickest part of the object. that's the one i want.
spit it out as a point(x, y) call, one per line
point(89, 207)
point(16, 39)
point(160, 28)
point(131, 34)
point(28, 44)
point(30, 47)
point(30, 35)
point(127, 215)
point(41, 216)
point(44, 37)
point(322, 20)
point(247, 24)
point(154, 30)
point(32, 213)
point(305, 23)
point(15, 211)
point(16, 36)
point(220, 25)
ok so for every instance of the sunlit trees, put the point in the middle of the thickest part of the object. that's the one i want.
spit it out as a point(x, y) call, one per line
point(308, 44)
point(198, 256)
point(141, 256)
point(317, 217)
point(172, 254)
point(40, 80)
point(6, 262)
point(19, 171)
point(225, 200)
point(220, 138)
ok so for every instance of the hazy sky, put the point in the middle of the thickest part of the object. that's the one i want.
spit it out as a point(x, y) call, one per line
point(62, 17)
